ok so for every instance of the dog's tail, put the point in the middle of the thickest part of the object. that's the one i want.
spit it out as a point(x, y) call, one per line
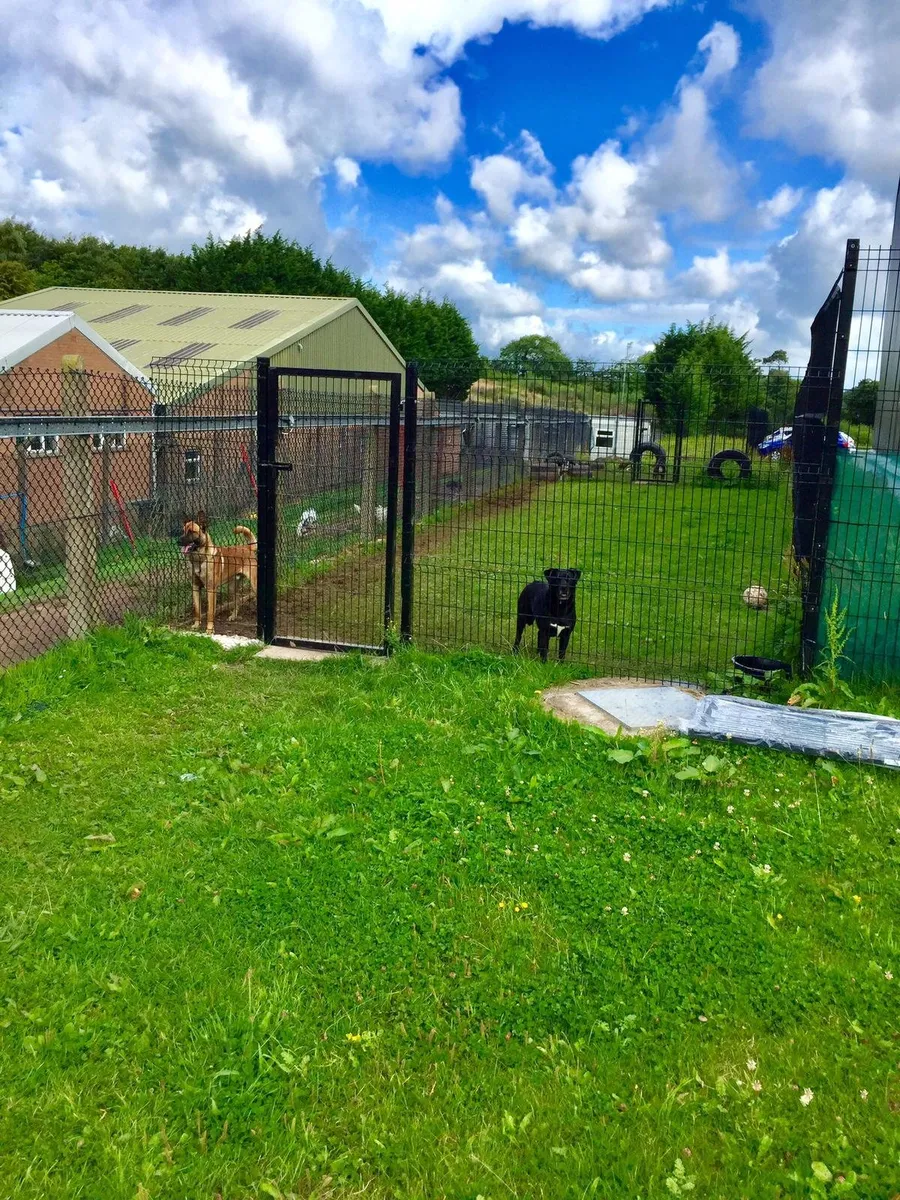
point(247, 534)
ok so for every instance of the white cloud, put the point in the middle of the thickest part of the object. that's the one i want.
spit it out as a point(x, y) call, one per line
point(267, 99)
point(684, 167)
point(772, 212)
point(722, 48)
point(500, 179)
point(829, 86)
point(473, 284)
point(716, 275)
point(496, 332)
point(347, 171)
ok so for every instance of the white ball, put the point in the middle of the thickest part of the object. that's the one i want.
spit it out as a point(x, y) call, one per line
point(756, 597)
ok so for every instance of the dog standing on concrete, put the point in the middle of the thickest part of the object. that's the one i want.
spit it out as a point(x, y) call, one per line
point(550, 606)
point(212, 565)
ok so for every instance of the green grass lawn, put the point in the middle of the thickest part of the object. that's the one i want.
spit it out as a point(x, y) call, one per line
point(394, 931)
point(664, 569)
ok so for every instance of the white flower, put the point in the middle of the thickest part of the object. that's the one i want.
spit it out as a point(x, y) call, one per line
point(888, 975)
point(645, 794)
point(777, 804)
point(863, 1095)
point(756, 1085)
point(730, 808)
point(624, 912)
point(535, 849)
point(716, 846)
point(507, 852)
point(626, 857)
point(767, 868)
point(746, 791)
point(703, 1019)
point(807, 1098)
point(751, 1064)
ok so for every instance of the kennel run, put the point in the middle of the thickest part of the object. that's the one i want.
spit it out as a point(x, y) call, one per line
point(416, 503)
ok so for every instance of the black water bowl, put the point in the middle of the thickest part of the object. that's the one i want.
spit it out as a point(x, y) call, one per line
point(761, 668)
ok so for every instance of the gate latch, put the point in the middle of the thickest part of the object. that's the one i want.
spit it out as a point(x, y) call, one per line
point(278, 466)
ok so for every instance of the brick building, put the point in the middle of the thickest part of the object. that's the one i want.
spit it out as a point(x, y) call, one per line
point(33, 344)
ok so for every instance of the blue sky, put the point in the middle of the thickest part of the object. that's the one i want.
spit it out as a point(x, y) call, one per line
point(592, 169)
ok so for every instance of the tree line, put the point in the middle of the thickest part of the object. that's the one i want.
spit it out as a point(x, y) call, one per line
point(699, 373)
point(423, 329)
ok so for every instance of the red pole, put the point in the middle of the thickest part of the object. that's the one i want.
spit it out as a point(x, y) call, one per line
point(117, 496)
point(245, 458)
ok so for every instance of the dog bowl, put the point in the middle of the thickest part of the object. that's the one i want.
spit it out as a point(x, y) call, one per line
point(761, 668)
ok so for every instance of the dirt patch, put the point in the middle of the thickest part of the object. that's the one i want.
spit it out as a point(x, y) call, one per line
point(565, 703)
point(30, 629)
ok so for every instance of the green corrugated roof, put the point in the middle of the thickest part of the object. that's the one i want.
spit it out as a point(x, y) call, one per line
point(145, 326)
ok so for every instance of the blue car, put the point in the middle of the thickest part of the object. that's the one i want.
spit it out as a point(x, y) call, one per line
point(776, 442)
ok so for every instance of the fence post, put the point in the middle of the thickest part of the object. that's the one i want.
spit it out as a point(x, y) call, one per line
point(407, 546)
point(814, 592)
point(78, 489)
point(267, 483)
point(393, 479)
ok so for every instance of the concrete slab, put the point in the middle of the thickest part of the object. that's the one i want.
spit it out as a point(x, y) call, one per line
point(637, 708)
point(568, 702)
point(297, 654)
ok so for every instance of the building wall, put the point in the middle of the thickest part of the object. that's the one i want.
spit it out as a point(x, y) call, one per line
point(347, 343)
point(35, 386)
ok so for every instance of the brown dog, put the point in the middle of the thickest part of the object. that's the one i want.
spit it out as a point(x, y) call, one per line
point(212, 565)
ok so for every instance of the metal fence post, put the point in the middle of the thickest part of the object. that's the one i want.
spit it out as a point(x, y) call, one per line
point(813, 600)
point(267, 482)
point(393, 480)
point(407, 548)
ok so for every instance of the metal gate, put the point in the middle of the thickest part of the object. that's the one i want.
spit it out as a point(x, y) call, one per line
point(329, 470)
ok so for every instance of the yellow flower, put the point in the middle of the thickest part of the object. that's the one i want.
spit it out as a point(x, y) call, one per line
point(516, 909)
point(354, 1037)
point(524, 905)
point(502, 904)
point(858, 899)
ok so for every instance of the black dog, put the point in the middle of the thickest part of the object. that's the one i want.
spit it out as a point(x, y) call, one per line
point(551, 606)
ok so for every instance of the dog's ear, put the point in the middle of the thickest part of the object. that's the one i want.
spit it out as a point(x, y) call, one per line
point(551, 573)
point(574, 575)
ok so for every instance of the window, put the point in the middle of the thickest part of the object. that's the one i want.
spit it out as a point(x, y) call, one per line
point(605, 439)
point(44, 445)
point(114, 441)
point(192, 466)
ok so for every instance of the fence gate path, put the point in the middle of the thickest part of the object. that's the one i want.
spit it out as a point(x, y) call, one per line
point(329, 469)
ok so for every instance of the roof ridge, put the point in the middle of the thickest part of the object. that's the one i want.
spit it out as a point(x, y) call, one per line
point(79, 287)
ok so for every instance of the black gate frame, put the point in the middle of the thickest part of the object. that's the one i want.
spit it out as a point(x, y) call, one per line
point(817, 417)
point(268, 424)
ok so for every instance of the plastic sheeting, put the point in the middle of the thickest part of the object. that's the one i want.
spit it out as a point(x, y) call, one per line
point(854, 737)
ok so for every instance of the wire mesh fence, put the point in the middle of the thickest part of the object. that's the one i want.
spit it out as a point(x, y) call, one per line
point(688, 501)
point(658, 487)
point(98, 474)
point(861, 581)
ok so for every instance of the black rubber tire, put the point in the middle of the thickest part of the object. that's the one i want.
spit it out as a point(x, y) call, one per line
point(653, 448)
point(714, 466)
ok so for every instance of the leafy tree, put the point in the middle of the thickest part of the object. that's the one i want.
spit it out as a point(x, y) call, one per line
point(777, 356)
point(859, 403)
point(701, 373)
point(15, 279)
point(537, 353)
